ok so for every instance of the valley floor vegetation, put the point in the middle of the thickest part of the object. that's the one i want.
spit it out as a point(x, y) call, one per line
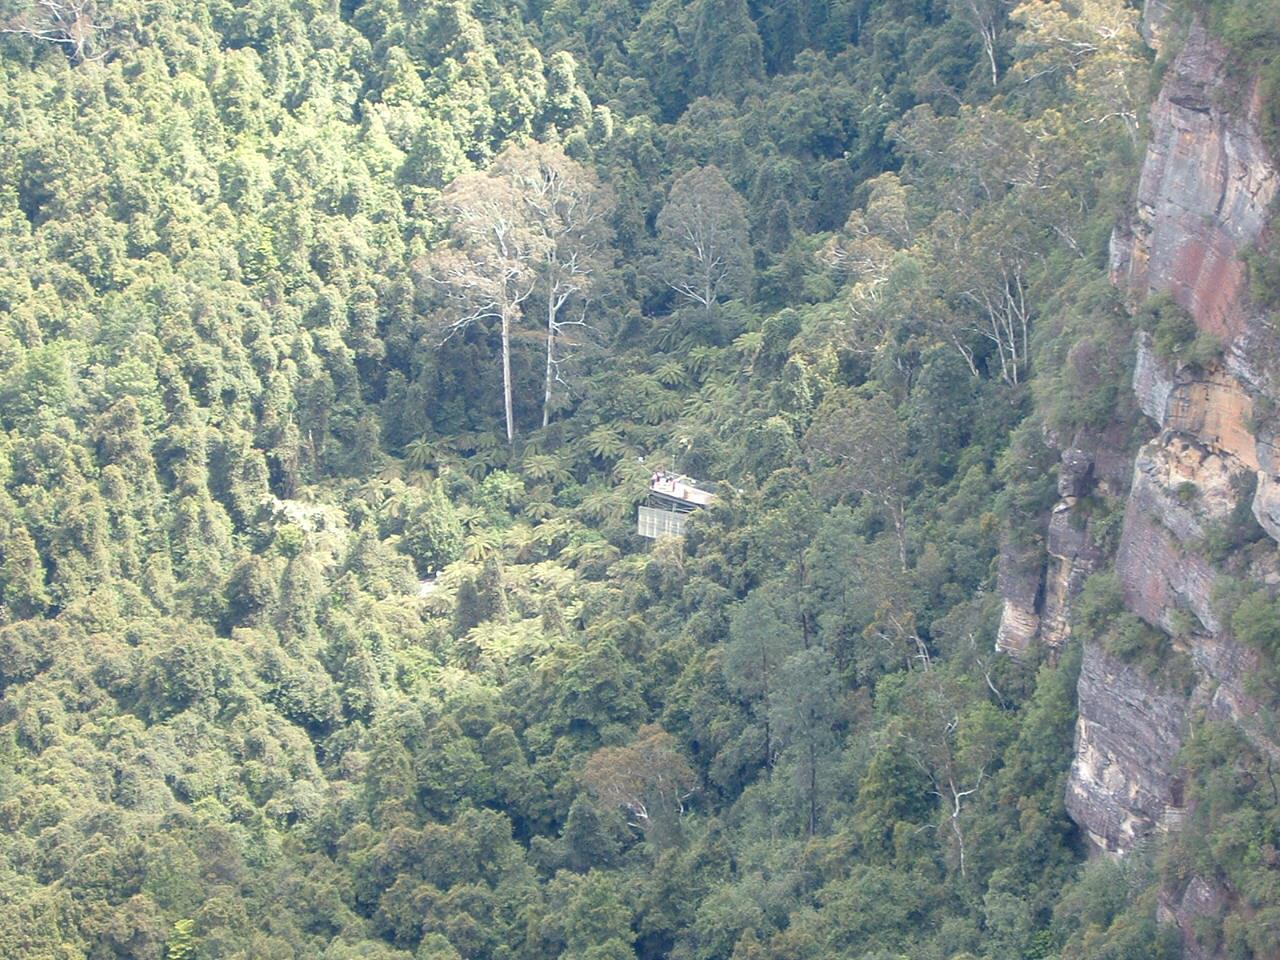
point(338, 343)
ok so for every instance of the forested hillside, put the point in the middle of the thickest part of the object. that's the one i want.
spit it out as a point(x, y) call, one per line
point(338, 344)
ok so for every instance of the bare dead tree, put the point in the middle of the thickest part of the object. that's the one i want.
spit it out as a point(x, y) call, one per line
point(71, 24)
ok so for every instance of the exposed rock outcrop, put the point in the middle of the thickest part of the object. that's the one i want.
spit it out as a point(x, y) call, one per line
point(1128, 733)
point(1205, 197)
point(1073, 555)
point(1207, 183)
point(1197, 900)
point(1037, 596)
point(1207, 187)
point(1266, 505)
point(1019, 585)
point(1180, 487)
point(1156, 15)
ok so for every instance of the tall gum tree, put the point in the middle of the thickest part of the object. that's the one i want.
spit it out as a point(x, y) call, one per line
point(863, 445)
point(703, 234)
point(986, 18)
point(535, 225)
point(488, 269)
point(568, 206)
point(955, 740)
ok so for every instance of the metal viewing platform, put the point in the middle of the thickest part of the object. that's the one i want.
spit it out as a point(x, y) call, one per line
point(671, 499)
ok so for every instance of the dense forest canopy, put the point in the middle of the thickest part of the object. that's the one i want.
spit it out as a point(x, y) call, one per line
point(338, 342)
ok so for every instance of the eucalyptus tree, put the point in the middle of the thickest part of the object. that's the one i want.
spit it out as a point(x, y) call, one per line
point(703, 235)
point(567, 205)
point(862, 443)
point(73, 25)
point(986, 17)
point(487, 270)
point(534, 225)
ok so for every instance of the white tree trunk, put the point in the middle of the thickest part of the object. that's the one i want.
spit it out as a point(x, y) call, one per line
point(551, 362)
point(506, 374)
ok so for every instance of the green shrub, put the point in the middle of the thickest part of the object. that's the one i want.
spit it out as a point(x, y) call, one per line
point(1264, 275)
point(1101, 618)
point(1263, 415)
point(1256, 622)
point(1100, 602)
point(433, 534)
point(1174, 335)
point(1133, 641)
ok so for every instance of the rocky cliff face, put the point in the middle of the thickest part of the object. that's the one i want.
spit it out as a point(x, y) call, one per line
point(1129, 730)
point(1205, 196)
point(1037, 597)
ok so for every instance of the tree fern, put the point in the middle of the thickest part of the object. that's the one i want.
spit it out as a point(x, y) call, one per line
point(599, 504)
point(547, 466)
point(589, 551)
point(537, 509)
point(482, 545)
point(604, 442)
point(671, 374)
point(420, 454)
point(660, 404)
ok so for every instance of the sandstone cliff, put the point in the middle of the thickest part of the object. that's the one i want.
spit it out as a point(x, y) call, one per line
point(1205, 196)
